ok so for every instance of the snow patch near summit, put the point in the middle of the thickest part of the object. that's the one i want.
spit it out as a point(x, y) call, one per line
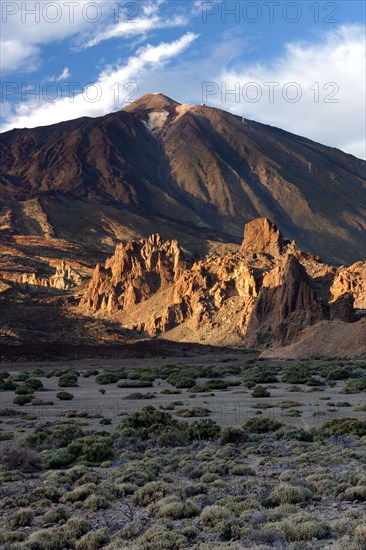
point(156, 120)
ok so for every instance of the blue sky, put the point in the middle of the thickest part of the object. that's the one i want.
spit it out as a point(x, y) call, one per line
point(297, 65)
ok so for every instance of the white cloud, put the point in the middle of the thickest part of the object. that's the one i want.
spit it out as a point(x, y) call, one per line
point(334, 65)
point(128, 29)
point(28, 25)
point(16, 55)
point(64, 75)
point(33, 25)
point(108, 92)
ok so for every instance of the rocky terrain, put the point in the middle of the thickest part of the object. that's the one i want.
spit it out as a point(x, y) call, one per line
point(190, 172)
point(157, 196)
point(265, 294)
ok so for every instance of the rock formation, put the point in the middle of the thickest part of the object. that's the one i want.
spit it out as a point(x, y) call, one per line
point(287, 303)
point(268, 292)
point(351, 280)
point(135, 272)
point(65, 278)
point(261, 236)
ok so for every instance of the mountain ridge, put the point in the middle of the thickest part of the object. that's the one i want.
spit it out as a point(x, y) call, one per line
point(202, 166)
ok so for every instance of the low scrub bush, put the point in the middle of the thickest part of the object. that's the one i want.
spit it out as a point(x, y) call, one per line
point(7, 537)
point(151, 492)
point(22, 390)
point(64, 396)
point(303, 529)
point(261, 425)
point(68, 381)
point(195, 412)
point(94, 540)
point(34, 384)
point(22, 518)
point(107, 378)
point(22, 400)
point(289, 494)
point(344, 426)
point(203, 429)
point(260, 391)
point(360, 537)
point(181, 381)
point(173, 508)
point(355, 493)
point(160, 537)
point(213, 514)
point(56, 515)
point(91, 450)
point(7, 385)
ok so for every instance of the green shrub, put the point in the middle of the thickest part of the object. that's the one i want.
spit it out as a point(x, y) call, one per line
point(146, 421)
point(34, 384)
point(203, 429)
point(173, 508)
point(96, 502)
point(22, 390)
point(64, 396)
point(22, 400)
point(61, 458)
point(59, 538)
point(360, 537)
point(7, 537)
point(260, 391)
point(171, 437)
point(261, 425)
point(91, 450)
point(6, 436)
point(233, 435)
point(344, 426)
point(213, 514)
point(242, 470)
point(151, 492)
point(22, 518)
point(92, 372)
point(48, 539)
point(68, 381)
point(358, 385)
point(259, 375)
point(298, 374)
point(77, 527)
point(56, 515)
point(20, 377)
point(289, 494)
point(308, 529)
point(80, 494)
point(159, 537)
point(139, 395)
point(195, 412)
point(181, 381)
point(215, 385)
point(355, 493)
point(107, 378)
point(93, 540)
point(7, 385)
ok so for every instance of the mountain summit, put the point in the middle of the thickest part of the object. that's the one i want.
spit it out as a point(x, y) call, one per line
point(149, 102)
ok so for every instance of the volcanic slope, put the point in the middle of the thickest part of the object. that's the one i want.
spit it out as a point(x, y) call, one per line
point(190, 172)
